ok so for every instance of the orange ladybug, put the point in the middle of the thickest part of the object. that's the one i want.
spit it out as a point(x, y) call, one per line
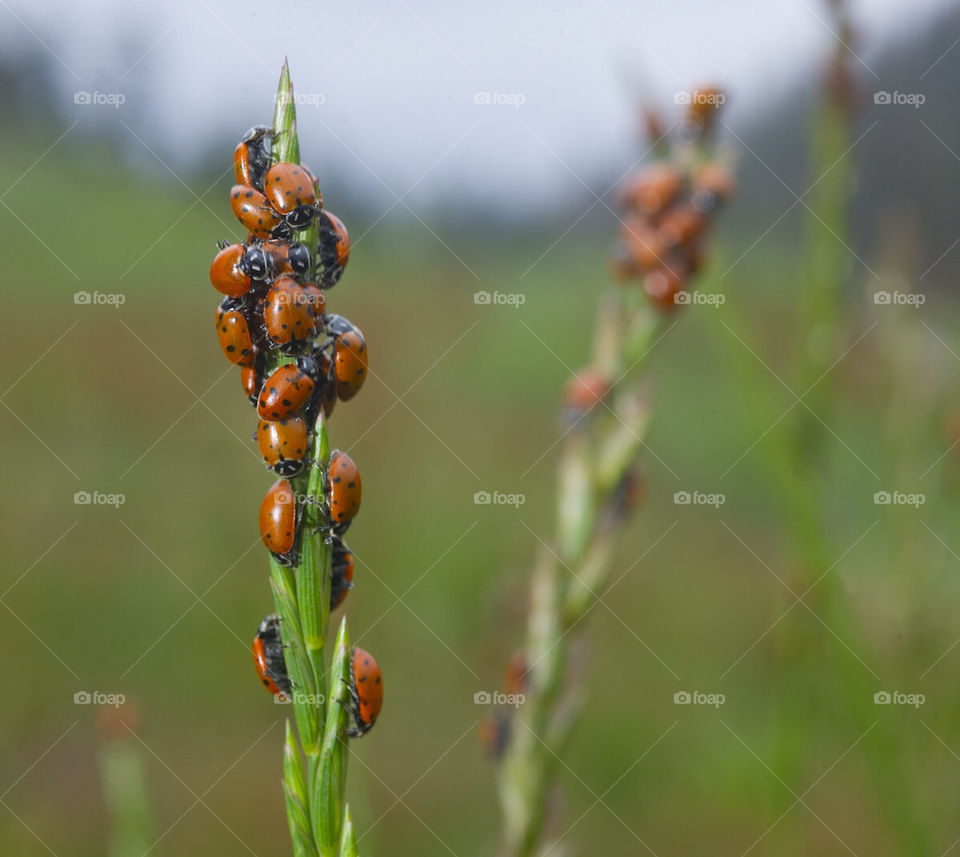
point(366, 693)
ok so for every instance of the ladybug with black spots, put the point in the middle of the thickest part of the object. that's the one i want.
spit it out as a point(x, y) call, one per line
point(288, 389)
point(283, 445)
point(254, 211)
point(341, 577)
point(333, 249)
point(290, 190)
point(268, 657)
point(344, 491)
point(279, 516)
point(233, 332)
point(366, 693)
point(251, 158)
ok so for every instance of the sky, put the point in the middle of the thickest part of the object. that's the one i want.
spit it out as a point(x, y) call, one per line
point(500, 103)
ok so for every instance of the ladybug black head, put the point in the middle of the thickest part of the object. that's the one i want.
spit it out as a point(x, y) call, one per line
point(299, 257)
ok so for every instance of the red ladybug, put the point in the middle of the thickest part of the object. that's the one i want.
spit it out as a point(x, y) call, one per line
point(268, 657)
point(650, 191)
point(289, 189)
point(585, 390)
point(292, 312)
point(287, 390)
point(350, 362)
point(283, 444)
point(333, 249)
point(366, 693)
point(284, 257)
point(495, 732)
point(228, 273)
point(253, 210)
point(278, 521)
point(344, 490)
point(252, 381)
point(251, 158)
point(233, 332)
point(341, 579)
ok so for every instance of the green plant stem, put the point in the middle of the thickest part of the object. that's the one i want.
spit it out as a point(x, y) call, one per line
point(597, 455)
point(314, 774)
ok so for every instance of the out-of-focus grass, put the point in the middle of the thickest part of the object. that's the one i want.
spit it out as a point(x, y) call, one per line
point(113, 605)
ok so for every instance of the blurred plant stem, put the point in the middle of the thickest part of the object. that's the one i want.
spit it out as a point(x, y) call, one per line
point(314, 774)
point(599, 452)
point(806, 660)
point(123, 775)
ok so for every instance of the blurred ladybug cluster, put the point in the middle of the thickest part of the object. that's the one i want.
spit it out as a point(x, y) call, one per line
point(296, 361)
point(668, 208)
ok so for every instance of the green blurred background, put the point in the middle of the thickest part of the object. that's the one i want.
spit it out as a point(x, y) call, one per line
point(158, 599)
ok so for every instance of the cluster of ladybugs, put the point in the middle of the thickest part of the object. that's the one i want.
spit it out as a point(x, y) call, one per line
point(668, 209)
point(274, 314)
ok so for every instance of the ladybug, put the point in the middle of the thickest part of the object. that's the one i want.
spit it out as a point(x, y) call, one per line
point(252, 381)
point(283, 444)
point(341, 578)
point(287, 390)
point(228, 273)
point(366, 693)
point(350, 362)
point(643, 244)
point(516, 675)
point(325, 394)
point(253, 211)
point(663, 285)
point(681, 225)
point(333, 249)
point(652, 190)
point(292, 312)
point(584, 391)
point(278, 521)
point(234, 333)
point(285, 257)
point(268, 657)
point(251, 158)
point(494, 733)
point(713, 184)
point(289, 189)
point(344, 490)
